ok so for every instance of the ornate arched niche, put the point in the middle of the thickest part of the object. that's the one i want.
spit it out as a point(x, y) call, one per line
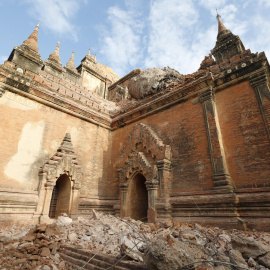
point(145, 153)
point(63, 162)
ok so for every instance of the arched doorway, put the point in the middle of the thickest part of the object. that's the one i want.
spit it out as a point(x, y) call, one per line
point(137, 199)
point(60, 201)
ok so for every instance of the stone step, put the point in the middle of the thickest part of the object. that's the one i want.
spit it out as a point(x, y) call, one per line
point(100, 261)
point(76, 263)
point(99, 264)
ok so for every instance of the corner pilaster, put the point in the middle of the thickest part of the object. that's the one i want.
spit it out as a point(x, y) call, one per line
point(221, 176)
point(152, 188)
point(260, 85)
point(123, 199)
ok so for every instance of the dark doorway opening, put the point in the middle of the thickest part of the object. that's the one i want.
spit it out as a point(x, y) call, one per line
point(60, 201)
point(137, 198)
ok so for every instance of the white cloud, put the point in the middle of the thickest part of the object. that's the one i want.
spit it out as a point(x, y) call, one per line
point(179, 34)
point(212, 4)
point(56, 15)
point(175, 40)
point(121, 45)
point(264, 2)
point(261, 41)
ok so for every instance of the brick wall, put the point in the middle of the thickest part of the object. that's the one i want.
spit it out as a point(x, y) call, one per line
point(183, 128)
point(31, 133)
point(244, 136)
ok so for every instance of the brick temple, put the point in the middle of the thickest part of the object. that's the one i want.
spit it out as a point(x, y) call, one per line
point(154, 145)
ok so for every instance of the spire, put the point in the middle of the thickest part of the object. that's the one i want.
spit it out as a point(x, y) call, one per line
point(221, 26)
point(55, 55)
point(66, 145)
point(227, 44)
point(70, 64)
point(31, 42)
point(89, 58)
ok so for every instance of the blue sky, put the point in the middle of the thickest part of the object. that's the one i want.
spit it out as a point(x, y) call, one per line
point(130, 34)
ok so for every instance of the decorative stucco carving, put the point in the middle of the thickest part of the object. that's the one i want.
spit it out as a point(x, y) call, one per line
point(64, 161)
point(136, 162)
point(146, 153)
point(145, 135)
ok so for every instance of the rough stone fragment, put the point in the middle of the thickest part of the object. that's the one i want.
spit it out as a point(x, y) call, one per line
point(45, 252)
point(63, 220)
point(248, 247)
point(170, 257)
point(251, 262)
point(21, 260)
point(54, 267)
point(265, 260)
point(30, 237)
point(73, 237)
point(237, 258)
point(131, 253)
point(33, 258)
point(61, 265)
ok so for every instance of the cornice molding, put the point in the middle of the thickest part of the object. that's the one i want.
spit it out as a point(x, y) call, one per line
point(232, 75)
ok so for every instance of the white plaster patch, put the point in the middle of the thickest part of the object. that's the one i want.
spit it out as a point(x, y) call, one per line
point(54, 145)
point(18, 102)
point(29, 151)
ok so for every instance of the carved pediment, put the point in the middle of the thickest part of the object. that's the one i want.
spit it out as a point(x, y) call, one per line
point(63, 161)
point(145, 135)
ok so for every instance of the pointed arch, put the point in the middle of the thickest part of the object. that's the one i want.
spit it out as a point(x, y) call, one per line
point(144, 153)
point(62, 163)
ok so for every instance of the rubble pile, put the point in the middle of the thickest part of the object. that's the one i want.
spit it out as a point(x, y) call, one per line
point(31, 248)
point(169, 245)
point(153, 80)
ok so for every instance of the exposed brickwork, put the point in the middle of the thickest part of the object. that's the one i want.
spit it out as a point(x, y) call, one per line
point(182, 127)
point(244, 135)
point(201, 141)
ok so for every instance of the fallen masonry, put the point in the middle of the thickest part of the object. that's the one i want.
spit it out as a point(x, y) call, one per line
point(102, 241)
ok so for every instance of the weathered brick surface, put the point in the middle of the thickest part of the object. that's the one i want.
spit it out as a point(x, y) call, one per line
point(244, 135)
point(183, 128)
point(172, 136)
point(91, 143)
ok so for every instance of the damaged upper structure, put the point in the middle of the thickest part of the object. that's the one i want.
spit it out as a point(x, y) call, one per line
point(153, 145)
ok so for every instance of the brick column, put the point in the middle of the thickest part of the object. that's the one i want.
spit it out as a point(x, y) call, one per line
point(260, 85)
point(41, 196)
point(164, 173)
point(47, 202)
point(152, 189)
point(221, 176)
point(163, 207)
point(123, 199)
point(75, 199)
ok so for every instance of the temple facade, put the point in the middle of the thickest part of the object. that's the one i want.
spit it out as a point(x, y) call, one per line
point(154, 145)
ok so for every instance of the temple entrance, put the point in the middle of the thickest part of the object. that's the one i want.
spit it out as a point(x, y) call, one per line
point(60, 201)
point(137, 198)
